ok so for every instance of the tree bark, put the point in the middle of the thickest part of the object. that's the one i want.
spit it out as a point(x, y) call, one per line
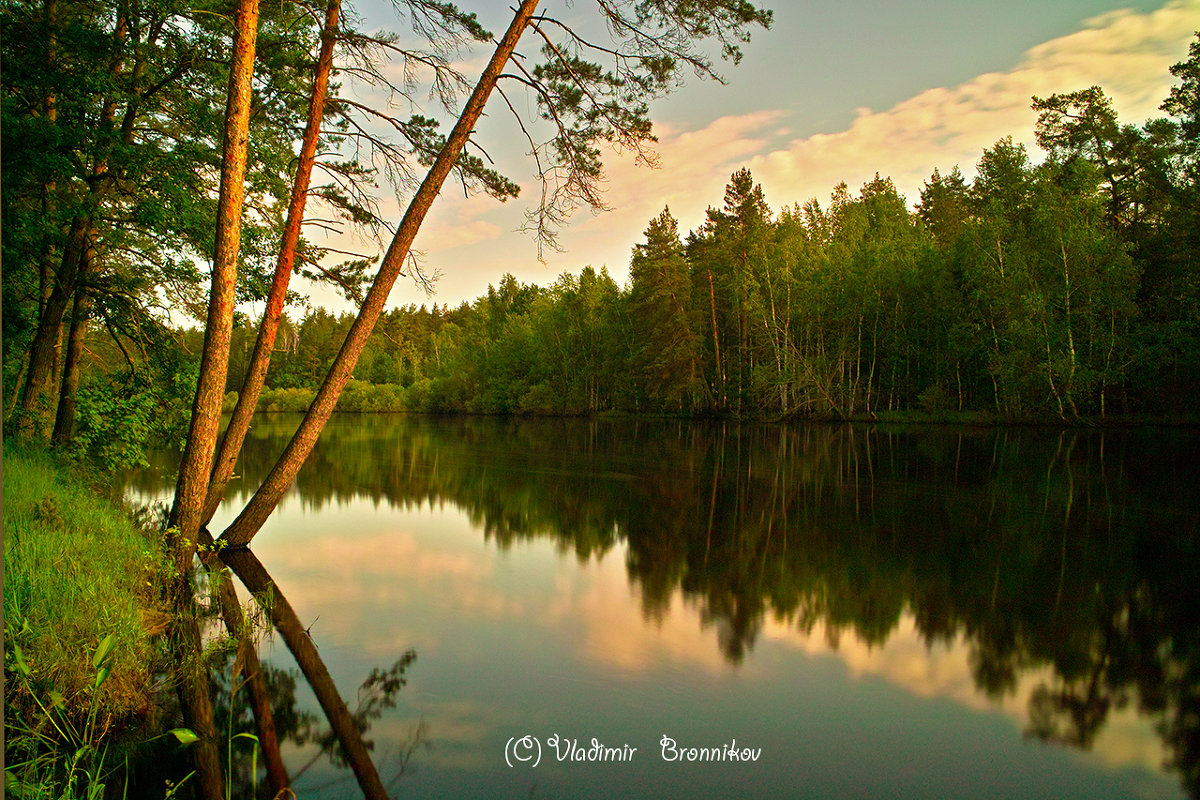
point(264, 501)
point(56, 290)
point(34, 409)
point(196, 464)
point(260, 359)
point(210, 391)
point(64, 418)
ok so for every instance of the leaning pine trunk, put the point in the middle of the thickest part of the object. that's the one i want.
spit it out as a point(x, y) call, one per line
point(196, 464)
point(284, 472)
point(239, 424)
point(206, 408)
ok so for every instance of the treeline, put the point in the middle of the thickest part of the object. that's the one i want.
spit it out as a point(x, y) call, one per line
point(1061, 290)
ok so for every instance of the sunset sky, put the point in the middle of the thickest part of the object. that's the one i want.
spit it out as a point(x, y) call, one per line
point(833, 92)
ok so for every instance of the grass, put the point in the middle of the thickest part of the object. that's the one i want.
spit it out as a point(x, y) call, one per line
point(78, 572)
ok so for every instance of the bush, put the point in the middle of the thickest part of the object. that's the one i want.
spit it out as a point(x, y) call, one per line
point(541, 399)
point(447, 395)
point(416, 396)
point(112, 426)
point(364, 397)
point(272, 400)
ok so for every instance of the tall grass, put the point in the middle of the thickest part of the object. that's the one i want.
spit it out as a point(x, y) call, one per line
point(78, 572)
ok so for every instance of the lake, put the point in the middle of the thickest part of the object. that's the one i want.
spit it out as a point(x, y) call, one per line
point(617, 608)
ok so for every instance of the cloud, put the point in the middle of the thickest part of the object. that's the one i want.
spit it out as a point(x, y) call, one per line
point(607, 618)
point(1126, 53)
point(382, 559)
point(943, 670)
point(457, 222)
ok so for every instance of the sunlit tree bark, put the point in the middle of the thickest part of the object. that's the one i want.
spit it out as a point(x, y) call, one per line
point(584, 106)
point(206, 408)
point(239, 424)
point(252, 517)
point(196, 465)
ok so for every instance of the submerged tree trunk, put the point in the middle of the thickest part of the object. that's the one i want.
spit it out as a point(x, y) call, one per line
point(284, 472)
point(194, 697)
point(260, 359)
point(247, 654)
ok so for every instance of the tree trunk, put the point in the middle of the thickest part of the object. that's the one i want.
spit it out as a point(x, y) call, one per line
point(35, 411)
point(260, 359)
point(64, 419)
point(284, 472)
point(55, 290)
point(712, 305)
point(194, 697)
point(260, 701)
point(196, 464)
point(210, 391)
point(50, 108)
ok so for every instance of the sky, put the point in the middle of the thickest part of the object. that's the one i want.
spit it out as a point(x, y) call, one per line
point(832, 92)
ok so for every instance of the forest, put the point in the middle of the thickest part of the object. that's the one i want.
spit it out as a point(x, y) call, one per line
point(1063, 290)
point(1036, 292)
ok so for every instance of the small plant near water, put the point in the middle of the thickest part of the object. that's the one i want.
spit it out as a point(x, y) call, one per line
point(53, 752)
point(50, 753)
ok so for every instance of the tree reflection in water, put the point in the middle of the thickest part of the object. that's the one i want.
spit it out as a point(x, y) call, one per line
point(1068, 550)
point(232, 670)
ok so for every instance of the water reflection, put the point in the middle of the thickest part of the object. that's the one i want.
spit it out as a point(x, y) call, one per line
point(1062, 563)
point(257, 711)
point(381, 686)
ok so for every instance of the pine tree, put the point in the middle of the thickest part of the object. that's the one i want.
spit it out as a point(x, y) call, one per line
point(667, 354)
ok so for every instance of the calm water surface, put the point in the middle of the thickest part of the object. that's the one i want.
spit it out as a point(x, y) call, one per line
point(875, 612)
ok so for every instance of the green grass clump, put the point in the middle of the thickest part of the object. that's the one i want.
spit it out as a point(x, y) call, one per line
point(77, 571)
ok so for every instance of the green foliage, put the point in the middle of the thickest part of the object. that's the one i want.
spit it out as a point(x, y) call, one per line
point(119, 416)
point(1019, 296)
point(54, 755)
point(1063, 290)
point(364, 397)
point(285, 399)
point(113, 426)
point(667, 358)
